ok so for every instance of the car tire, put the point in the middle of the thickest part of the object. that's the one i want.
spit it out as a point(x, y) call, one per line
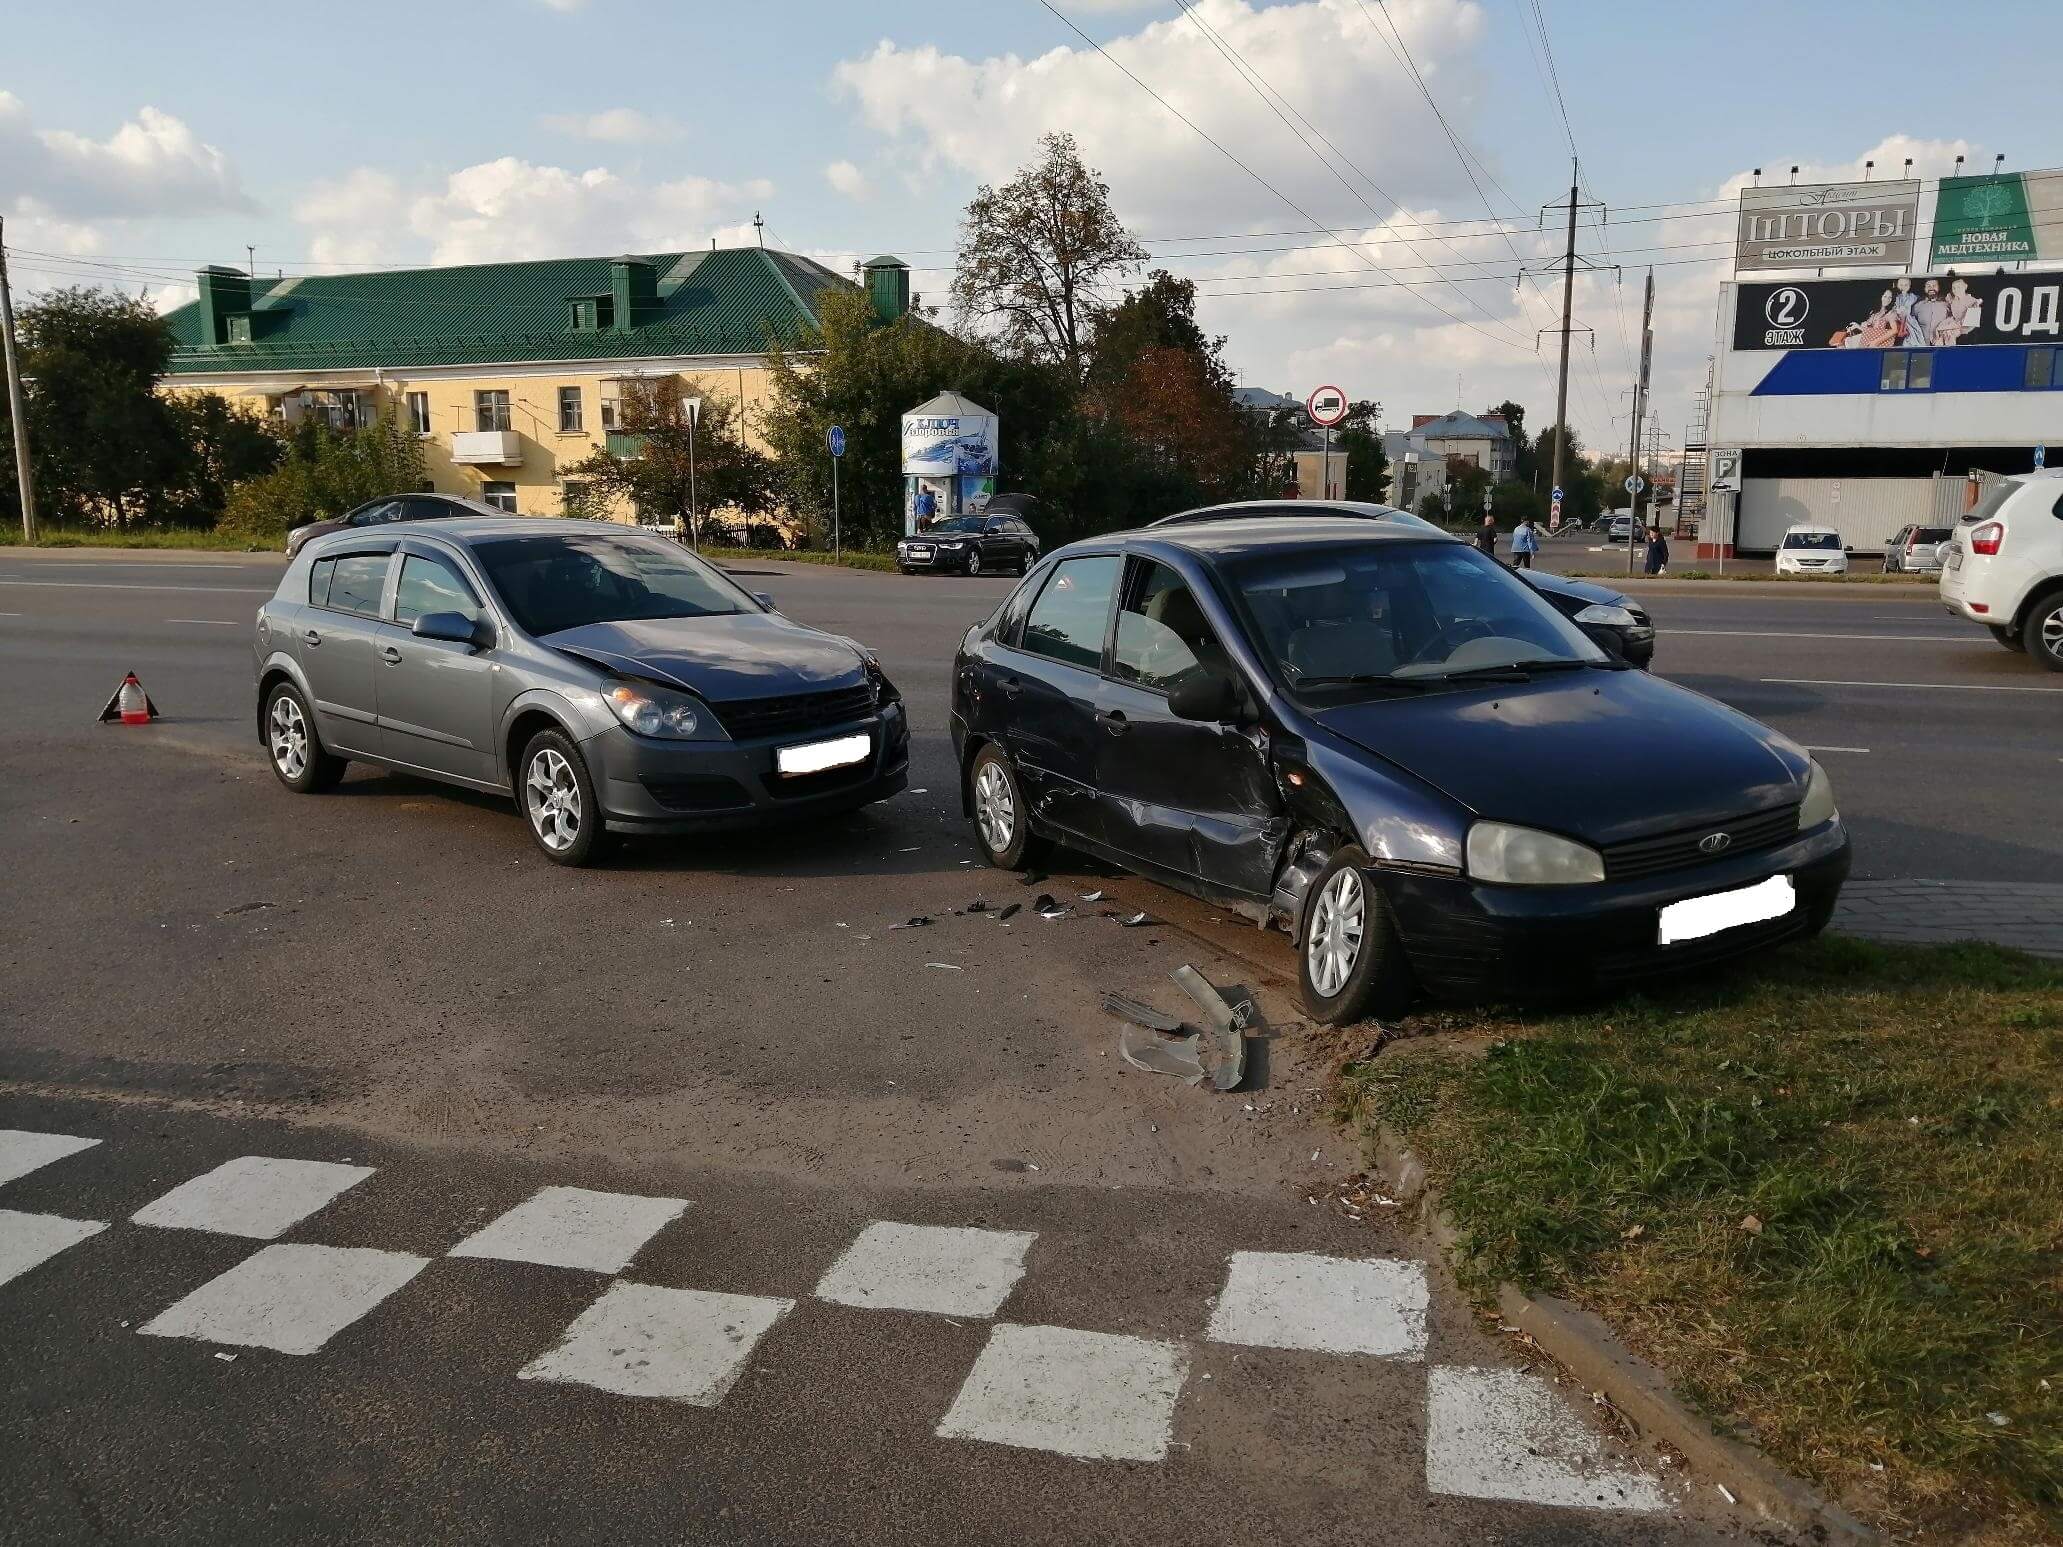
point(1002, 816)
point(2010, 638)
point(557, 798)
point(1350, 961)
point(2042, 634)
point(973, 564)
point(292, 746)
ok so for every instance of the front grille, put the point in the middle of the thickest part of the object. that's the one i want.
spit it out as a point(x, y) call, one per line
point(825, 782)
point(714, 793)
point(750, 719)
point(1679, 850)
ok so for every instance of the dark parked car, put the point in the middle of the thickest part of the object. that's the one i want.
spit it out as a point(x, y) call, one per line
point(1388, 742)
point(1613, 620)
point(608, 679)
point(986, 544)
point(390, 508)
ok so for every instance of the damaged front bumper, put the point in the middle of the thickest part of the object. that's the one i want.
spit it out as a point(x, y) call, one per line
point(651, 786)
point(1471, 941)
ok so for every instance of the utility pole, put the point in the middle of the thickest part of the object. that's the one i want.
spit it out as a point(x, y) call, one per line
point(1561, 389)
point(17, 407)
point(1640, 405)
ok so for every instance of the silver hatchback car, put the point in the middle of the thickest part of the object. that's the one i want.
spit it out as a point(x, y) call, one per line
point(610, 681)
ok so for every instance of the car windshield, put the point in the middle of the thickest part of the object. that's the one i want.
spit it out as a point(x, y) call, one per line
point(1995, 494)
point(559, 582)
point(1410, 614)
point(1812, 539)
point(957, 524)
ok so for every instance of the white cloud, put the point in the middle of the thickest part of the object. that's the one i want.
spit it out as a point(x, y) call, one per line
point(511, 209)
point(847, 179)
point(615, 126)
point(152, 165)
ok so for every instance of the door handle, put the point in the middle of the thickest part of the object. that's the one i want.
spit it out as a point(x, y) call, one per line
point(1012, 687)
point(1113, 720)
point(310, 637)
point(390, 655)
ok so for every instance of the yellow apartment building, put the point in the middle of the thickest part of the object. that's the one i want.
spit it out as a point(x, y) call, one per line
point(510, 373)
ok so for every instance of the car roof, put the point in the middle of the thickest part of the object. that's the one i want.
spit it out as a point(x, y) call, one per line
point(1811, 526)
point(469, 530)
point(1239, 537)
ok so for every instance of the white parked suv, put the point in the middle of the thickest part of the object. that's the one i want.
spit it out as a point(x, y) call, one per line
point(1811, 550)
point(2005, 565)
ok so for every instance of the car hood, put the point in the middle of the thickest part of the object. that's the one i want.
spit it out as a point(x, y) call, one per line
point(1602, 755)
point(1562, 585)
point(721, 658)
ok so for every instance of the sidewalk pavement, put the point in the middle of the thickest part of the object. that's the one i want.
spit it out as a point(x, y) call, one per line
point(2027, 916)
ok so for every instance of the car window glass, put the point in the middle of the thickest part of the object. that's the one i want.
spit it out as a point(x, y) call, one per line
point(430, 585)
point(425, 510)
point(1812, 540)
point(376, 515)
point(319, 582)
point(1995, 494)
point(1067, 620)
point(1010, 617)
point(1162, 634)
point(561, 582)
point(356, 583)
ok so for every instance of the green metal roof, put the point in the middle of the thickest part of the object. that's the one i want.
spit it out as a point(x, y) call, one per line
point(710, 303)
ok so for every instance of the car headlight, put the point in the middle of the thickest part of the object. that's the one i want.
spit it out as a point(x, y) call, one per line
point(1818, 805)
point(1524, 856)
point(651, 710)
point(1606, 615)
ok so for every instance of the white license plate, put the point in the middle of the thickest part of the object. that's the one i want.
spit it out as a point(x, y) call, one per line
point(820, 755)
point(1696, 917)
point(1955, 558)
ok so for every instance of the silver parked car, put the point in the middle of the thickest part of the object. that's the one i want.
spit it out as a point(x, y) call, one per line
point(1914, 550)
point(609, 681)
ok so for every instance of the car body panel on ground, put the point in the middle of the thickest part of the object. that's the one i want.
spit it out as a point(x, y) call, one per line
point(1241, 804)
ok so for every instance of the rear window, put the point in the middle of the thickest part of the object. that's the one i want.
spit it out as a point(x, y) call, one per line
point(351, 583)
point(1932, 534)
point(1996, 493)
point(1812, 540)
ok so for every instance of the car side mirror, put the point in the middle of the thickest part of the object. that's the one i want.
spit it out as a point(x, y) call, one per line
point(458, 627)
point(1206, 695)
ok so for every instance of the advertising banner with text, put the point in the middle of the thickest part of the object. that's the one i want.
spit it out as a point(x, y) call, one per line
point(1828, 226)
point(2004, 218)
point(1924, 311)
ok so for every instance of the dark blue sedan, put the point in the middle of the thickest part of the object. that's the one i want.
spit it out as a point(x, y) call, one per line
point(1387, 742)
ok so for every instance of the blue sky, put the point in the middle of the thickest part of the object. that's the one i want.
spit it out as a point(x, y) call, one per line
point(414, 133)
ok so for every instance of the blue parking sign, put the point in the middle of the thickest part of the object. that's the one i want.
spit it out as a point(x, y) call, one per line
point(837, 439)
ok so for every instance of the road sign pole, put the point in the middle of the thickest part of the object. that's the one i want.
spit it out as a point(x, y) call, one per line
point(837, 538)
point(1325, 466)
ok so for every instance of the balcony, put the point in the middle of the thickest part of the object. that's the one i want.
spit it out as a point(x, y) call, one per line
point(487, 448)
point(624, 443)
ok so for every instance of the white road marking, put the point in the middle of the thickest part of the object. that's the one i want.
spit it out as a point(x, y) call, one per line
point(256, 1196)
point(130, 585)
point(23, 1151)
point(158, 565)
point(1960, 687)
point(1837, 749)
point(1751, 633)
point(1505, 1434)
point(292, 1299)
point(682, 1345)
point(948, 1270)
point(1093, 1395)
point(210, 622)
point(1330, 1304)
point(27, 1239)
point(571, 1227)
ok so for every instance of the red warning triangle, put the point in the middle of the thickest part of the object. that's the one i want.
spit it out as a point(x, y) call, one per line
point(130, 704)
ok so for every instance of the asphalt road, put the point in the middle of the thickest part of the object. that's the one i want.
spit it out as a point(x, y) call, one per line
point(202, 967)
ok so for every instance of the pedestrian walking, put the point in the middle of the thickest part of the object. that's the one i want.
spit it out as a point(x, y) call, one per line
point(1525, 542)
point(1486, 536)
point(927, 506)
point(1658, 551)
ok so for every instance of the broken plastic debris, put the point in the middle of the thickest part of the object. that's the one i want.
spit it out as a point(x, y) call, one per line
point(1003, 914)
point(921, 921)
point(945, 967)
point(1223, 1048)
point(977, 906)
point(1091, 896)
point(227, 1358)
point(1140, 1013)
point(1996, 1420)
point(1135, 921)
point(1726, 1493)
point(1156, 1054)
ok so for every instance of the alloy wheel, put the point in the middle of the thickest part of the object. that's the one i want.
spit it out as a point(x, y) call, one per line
point(288, 737)
point(2052, 634)
point(974, 563)
point(553, 798)
point(994, 809)
point(1334, 944)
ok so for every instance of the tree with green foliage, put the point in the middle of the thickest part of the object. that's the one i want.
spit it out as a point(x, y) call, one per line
point(668, 473)
point(1583, 490)
point(323, 472)
point(1514, 417)
point(1368, 463)
point(1038, 255)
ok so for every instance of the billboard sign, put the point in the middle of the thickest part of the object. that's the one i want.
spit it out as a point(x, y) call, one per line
point(1828, 226)
point(1910, 312)
point(937, 446)
point(2001, 218)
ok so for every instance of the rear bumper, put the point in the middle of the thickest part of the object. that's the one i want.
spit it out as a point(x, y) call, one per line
point(1471, 941)
point(652, 786)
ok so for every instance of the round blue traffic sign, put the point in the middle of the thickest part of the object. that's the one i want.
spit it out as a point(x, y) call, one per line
point(837, 439)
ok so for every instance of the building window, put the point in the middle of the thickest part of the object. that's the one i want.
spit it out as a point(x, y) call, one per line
point(419, 412)
point(611, 414)
point(1906, 370)
point(572, 419)
point(2044, 368)
point(239, 330)
point(491, 411)
point(502, 496)
point(592, 314)
point(1891, 372)
point(1920, 375)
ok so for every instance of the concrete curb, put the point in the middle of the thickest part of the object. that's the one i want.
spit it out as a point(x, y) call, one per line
point(1581, 1343)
